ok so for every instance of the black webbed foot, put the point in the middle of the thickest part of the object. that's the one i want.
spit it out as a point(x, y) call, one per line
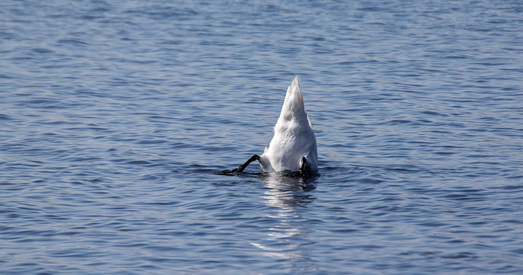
point(305, 169)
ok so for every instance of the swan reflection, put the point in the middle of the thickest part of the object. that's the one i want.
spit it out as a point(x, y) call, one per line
point(289, 196)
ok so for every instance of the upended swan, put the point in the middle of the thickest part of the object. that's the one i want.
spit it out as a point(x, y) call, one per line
point(293, 146)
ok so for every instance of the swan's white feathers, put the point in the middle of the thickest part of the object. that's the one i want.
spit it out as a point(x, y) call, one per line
point(293, 136)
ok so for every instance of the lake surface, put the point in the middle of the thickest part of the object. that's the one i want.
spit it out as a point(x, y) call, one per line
point(117, 117)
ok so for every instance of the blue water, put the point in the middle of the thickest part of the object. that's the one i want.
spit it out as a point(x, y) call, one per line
point(116, 118)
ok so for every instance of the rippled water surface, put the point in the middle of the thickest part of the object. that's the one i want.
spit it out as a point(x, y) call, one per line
point(117, 117)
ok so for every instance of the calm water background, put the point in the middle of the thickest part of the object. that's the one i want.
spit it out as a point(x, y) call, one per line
point(116, 118)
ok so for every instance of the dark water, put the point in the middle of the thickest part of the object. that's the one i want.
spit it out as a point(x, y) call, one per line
point(116, 118)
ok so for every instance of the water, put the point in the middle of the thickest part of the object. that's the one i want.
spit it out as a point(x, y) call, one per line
point(117, 117)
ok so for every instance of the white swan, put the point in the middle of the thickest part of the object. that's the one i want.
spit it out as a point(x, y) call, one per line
point(293, 146)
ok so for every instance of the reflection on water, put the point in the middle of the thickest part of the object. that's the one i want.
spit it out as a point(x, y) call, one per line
point(289, 196)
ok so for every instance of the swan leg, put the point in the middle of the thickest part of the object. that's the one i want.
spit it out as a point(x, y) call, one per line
point(243, 166)
point(305, 169)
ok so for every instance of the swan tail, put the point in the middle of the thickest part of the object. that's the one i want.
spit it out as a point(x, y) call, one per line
point(293, 102)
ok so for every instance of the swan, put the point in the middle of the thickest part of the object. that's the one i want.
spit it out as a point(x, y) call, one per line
point(293, 146)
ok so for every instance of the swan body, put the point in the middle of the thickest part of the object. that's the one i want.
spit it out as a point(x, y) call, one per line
point(293, 137)
point(293, 146)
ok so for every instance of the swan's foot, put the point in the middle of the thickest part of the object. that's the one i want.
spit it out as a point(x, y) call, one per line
point(243, 166)
point(305, 169)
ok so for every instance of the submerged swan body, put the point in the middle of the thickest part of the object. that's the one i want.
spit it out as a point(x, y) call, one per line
point(293, 146)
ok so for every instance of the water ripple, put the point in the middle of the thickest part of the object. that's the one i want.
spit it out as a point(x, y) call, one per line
point(117, 120)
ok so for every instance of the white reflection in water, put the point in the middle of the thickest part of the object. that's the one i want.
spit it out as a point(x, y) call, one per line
point(289, 196)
